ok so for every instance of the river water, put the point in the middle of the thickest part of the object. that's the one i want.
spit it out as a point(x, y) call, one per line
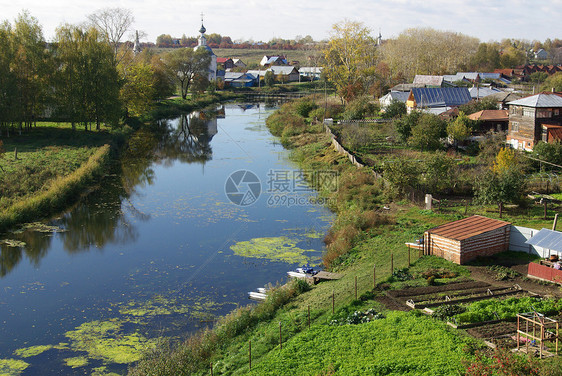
point(202, 209)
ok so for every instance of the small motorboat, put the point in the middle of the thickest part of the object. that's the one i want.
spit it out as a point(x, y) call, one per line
point(257, 296)
point(303, 272)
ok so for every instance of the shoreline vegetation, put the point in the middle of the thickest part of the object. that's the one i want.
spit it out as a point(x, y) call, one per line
point(302, 329)
point(48, 167)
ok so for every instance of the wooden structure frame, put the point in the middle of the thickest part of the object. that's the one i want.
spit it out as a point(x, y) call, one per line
point(548, 330)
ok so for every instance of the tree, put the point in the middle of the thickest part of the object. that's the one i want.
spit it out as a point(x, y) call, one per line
point(87, 81)
point(549, 152)
point(486, 58)
point(538, 77)
point(350, 55)
point(138, 91)
point(438, 172)
point(401, 173)
point(406, 123)
point(553, 82)
point(8, 88)
point(164, 40)
point(112, 23)
point(30, 66)
point(428, 132)
point(459, 129)
point(512, 57)
point(474, 105)
point(269, 78)
point(187, 63)
point(502, 183)
point(428, 51)
point(395, 109)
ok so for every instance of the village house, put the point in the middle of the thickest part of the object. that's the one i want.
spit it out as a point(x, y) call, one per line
point(437, 100)
point(269, 61)
point(541, 54)
point(238, 63)
point(386, 100)
point(239, 79)
point(533, 119)
point(226, 62)
point(285, 73)
point(490, 120)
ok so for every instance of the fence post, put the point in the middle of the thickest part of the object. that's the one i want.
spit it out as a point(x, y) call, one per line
point(374, 276)
point(391, 263)
point(280, 338)
point(250, 353)
point(355, 287)
point(309, 316)
point(211, 364)
point(333, 302)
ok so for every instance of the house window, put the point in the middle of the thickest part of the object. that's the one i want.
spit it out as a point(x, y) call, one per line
point(515, 126)
point(528, 112)
point(544, 113)
point(556, 112)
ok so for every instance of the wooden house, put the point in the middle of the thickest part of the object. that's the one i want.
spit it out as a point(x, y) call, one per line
point(464, 240)
point(533, 119)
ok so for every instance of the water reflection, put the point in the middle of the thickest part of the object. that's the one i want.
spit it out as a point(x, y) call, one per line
point(99, 218)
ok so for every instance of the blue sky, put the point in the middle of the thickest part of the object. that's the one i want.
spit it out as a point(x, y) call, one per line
point(264, 20)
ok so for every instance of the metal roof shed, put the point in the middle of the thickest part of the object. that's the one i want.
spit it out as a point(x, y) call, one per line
point(547, 239)
point(463, 240)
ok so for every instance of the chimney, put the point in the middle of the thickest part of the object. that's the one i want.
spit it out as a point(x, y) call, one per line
point(553, 90)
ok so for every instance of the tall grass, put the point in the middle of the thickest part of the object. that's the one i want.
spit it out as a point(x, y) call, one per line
point(61, 192)
point(194, 354)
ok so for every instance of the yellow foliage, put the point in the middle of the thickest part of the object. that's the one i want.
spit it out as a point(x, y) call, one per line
point(505, 160)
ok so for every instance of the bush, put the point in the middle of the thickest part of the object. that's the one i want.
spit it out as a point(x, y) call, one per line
point(360, 108)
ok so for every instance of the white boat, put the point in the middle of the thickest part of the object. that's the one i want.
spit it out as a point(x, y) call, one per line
point(262, 290)
point(257, 296)
point(296, 275)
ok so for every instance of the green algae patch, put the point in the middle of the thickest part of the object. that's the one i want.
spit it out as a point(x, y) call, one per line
point(13, 243)
point(12, 367)
point(161, 305)
point(27, 352)
point(105, 340)
point(102, 371)
point(77, 361)
point(279, 248)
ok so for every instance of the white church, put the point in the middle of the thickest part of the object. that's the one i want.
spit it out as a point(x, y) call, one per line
point(203, 44)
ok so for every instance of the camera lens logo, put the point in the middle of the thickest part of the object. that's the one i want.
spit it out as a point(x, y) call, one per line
point(243, 187)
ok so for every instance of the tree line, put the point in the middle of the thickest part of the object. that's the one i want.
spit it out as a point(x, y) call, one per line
point(215, 40)
point(357, 64)
point(86, 76)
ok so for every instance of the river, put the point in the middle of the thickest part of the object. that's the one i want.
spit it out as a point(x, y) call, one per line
point(200, 211)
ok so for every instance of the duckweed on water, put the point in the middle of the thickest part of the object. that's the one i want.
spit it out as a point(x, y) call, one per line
point(275, 249)
point(12, 367)
point(27, 352)
point(13, 243)
point(102, 371)
point(77, 361)
point(160, 305)
point(104, 340)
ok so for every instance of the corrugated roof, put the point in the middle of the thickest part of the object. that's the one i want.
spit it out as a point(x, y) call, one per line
point(441, 96)
point(548, 239)
point(467, 227)
point(540, 100)
point(481, 92)
point(498, 115)
point(422, 79)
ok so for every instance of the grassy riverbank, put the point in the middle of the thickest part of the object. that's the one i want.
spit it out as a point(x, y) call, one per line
point(45, 169)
